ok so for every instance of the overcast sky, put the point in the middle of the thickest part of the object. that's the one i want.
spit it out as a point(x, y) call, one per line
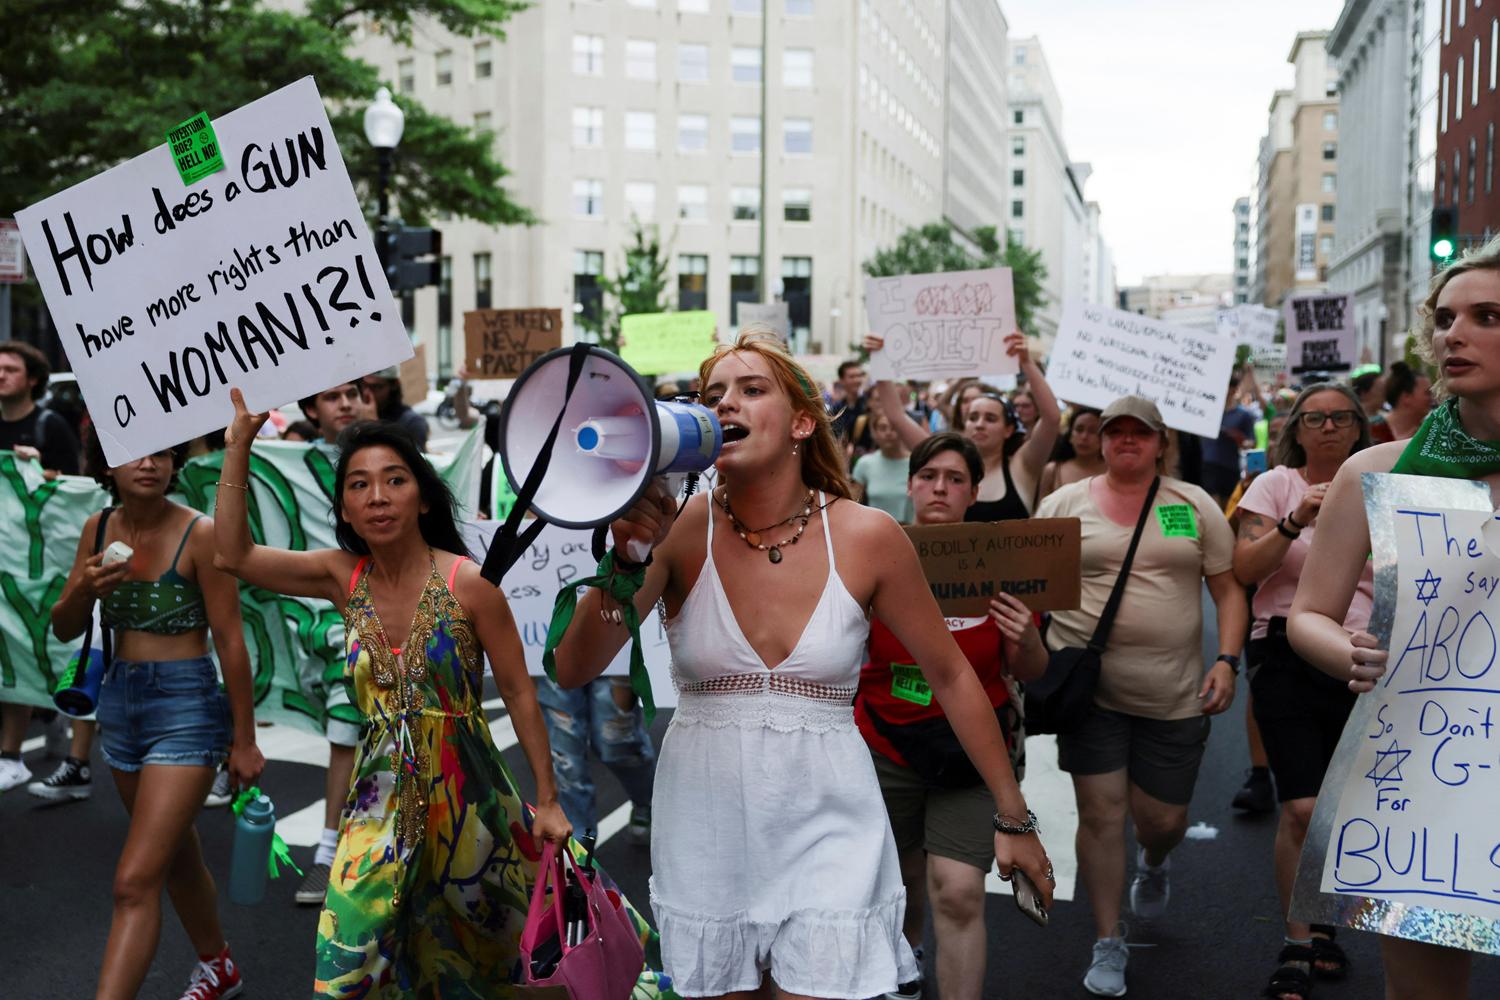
point(1168, 100)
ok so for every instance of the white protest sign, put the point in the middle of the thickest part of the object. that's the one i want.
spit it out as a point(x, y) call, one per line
point(1102, 354)
point(1248, 324)
point(1320, 334)
point(1418, 819)
point(261, 275)
point(12, 256)
point(560, 555)
point(942, 325)
point(776, 315)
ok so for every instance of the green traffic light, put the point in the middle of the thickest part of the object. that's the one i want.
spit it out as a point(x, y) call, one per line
point(1442, 248)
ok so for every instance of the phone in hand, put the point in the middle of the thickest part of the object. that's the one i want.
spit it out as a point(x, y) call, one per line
point(116, 552)
point(1028, 899)
point(1255, 462)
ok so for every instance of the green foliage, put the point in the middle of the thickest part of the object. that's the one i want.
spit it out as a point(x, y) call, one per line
point(90, 83)
point(933, 248)
point(639, 286)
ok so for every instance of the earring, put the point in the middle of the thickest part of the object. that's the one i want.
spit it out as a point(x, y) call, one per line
point(794, 449)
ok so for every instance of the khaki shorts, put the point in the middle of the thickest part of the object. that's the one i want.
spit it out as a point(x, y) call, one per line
point(956, 823)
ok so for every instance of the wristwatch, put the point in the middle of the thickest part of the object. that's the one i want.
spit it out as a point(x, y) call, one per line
point(1232, 660)
point(1004, 824)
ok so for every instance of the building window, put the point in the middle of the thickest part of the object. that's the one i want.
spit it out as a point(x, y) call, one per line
point(693, 6)
point(797, 135)
point(484, 281)
point(1018, 178)
point(796, 204)
point(1325, 246)
point(796, 292)
point(1456, 168)
point(1330, 150)
point(588, 126)
point(640, 199)
point(1458, 91)
point(1443, 113)
point(640, 59)
point(744, 134)
point(484, 60)
point(797, 68)
point(1327, 213)
point(744, 284)
point(588, 297)
point(692, 63)
point(481, 121)
point(443, 68)
point(1330, 121)
point(1448, 20)
point(445, 317)
point(744, 204)
point(692, 281)
point(799, 8)
point(1463, 10)
point(1473, 158)
point(1474, 83)
point(588, 55)
point(1494, 49)
point(406, 76)
point(588, 198)
point(1017, 209)
point(640, 130)
point(1018, 146)
point(1329, 183)
point(744, 64)
point(1489, 158)
point(692, 202)
point(1442, 184)
point(692, 133)
point(1018, 116)
point(745, 6)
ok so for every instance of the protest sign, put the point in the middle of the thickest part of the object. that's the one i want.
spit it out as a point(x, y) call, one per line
point(822, 368)
point(663, 343)
point(413, 376)
point(1248, 324)
point(262, 276)
point(772, 314)
point(940, 325)
point(1102, 354)
point(1320, 334)
point(12, 256)
point(502, 343)
point(1406, 832)
point(967, 564)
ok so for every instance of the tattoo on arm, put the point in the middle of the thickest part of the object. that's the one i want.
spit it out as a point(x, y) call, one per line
point(1252, 526)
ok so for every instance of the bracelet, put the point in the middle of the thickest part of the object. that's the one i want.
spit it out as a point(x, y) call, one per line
point(1286, 532)
point(233, 486)
point(1232, 660)
point(624, 565)
point(1293, 522)
point(1004, 824)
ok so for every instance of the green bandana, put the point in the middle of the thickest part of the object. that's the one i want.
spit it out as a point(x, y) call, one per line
point(620, 585)
point(280, 854)
point(1442, 448)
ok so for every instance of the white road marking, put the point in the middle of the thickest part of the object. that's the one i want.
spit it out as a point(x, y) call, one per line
point(1049, 793)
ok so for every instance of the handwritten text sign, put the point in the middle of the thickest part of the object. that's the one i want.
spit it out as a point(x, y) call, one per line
point(775, 315)
point(1249, 324)
point(1320, 334)
point(502, 343)
point(1102, 354)
point(261, 276)
point(662, 343)
point(966, 565)
point(940, 325)
point(1418, 820)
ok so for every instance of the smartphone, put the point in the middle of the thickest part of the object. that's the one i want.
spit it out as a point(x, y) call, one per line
point(116, 552)
point(1028, 899)
point(1255, 462)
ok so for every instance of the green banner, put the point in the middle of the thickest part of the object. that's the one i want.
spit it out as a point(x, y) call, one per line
point(296, 645)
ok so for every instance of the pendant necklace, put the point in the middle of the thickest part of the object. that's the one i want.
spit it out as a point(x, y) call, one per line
point(753, 538)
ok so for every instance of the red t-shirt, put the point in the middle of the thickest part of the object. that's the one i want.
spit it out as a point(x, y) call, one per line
point(893, 686)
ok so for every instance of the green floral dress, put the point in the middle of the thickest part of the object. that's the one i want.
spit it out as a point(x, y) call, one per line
point(435, 864)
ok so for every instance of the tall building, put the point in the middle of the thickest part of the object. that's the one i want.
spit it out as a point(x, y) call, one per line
point(1275, 189)
point(1469, 64)
point(1422, 115)
point(974, 173)
point(1241, 290)
point(1372, 44)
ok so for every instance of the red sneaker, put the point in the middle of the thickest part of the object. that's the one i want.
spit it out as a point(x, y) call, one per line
point(217, 978)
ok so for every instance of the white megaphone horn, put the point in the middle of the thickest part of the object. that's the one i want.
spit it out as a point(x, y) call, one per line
point(613, 439)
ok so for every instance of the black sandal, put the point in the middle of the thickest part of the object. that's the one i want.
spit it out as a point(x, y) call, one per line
point(1326, 952)
point(1289, 980)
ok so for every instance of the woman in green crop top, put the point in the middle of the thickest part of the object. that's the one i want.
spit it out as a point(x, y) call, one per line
point(165, 724)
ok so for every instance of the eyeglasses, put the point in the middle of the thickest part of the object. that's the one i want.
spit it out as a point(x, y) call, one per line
point(1341, 418)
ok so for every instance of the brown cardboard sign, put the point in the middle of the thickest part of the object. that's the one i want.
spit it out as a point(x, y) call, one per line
point(414, 376)
point(1035, 560)
point(502, 343)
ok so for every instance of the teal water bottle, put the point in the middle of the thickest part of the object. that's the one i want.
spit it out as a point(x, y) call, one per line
point(250, 859)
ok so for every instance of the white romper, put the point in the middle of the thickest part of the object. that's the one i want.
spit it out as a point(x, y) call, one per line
point(770, 847)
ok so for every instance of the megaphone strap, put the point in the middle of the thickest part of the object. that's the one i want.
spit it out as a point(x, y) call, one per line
point(622, 585)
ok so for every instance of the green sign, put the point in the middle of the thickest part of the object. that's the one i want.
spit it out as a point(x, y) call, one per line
point(1177, 520)
point(908, 684)
point(661, 343)
point(195, 148)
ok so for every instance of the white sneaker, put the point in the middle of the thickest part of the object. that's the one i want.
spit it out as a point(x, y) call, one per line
point(13, 774)
point(1106, 975)
point(71, 782)
point(1151, 888)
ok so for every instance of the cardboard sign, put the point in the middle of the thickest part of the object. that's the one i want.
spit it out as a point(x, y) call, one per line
point(664, 343)
point(12, 255)
point(1320, 334)
point(261, 276)
point(1102, 354)
point(966, 565)
point(413, 373)
point(502, 343)
point(776, 315)
point(942, 325)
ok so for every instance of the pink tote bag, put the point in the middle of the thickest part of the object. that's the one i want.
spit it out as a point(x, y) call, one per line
point(608, 963)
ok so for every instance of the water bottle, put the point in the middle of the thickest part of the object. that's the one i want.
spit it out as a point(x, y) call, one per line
point(250, 859)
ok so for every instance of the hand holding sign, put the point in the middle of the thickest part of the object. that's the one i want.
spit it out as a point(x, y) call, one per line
point(246, 425)
point(941, 325)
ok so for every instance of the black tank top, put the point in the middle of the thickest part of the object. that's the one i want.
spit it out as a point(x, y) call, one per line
point(1008, 508)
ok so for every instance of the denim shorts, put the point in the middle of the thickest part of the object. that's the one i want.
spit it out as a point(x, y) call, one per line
point(163, 712)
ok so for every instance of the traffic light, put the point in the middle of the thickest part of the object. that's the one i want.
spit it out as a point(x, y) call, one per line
point(1444, 242)
point(400, 246)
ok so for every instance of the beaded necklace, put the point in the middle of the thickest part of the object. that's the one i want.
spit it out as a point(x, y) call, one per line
point(753, 538)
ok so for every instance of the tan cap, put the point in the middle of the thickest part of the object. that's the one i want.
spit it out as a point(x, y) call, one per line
point(1138, 407)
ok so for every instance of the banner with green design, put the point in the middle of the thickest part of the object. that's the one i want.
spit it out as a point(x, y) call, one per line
point(295, 644)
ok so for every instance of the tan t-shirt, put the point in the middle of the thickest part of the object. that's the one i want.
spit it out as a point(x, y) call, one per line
point(1153, 662)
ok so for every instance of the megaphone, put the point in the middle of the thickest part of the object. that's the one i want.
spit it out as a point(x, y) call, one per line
point(77, 693)
point(614, 437)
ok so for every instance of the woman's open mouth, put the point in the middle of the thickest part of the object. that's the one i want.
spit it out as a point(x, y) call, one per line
point(734, 433)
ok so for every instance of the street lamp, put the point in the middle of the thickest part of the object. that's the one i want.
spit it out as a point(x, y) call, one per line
point(384, 122)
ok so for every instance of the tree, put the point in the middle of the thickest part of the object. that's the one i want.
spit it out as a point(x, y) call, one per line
point(89, 83)
point(933, 248)
point(639, 286)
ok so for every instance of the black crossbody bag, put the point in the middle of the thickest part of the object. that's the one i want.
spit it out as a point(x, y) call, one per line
point(1059, 700)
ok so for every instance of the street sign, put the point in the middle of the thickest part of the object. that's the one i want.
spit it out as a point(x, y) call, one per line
point(12, 256)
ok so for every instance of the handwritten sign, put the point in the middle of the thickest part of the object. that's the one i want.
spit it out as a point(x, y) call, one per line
point(941, 325)
point(1249, 324)
point(12, 256)
point(662, 343)
point(775, 315)
point(966, 565)
point(413, 373)
point(261, 276)
point(1102, 354)
point(502, 343)
point(1320, 334)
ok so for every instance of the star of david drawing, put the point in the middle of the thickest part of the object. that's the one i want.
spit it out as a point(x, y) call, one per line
point(1427, 588)
point(1388, 763)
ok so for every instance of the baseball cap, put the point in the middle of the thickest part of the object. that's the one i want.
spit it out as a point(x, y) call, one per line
point(1138, 407)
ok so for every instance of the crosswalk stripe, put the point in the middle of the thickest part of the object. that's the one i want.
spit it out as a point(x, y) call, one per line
point(1049, 793)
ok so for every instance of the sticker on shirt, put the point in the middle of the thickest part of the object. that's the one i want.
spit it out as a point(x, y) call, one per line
point(908, 685)
point(1177, 520)
point(960, 624)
